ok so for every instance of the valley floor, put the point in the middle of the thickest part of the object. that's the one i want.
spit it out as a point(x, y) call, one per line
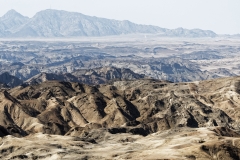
point(179, 143)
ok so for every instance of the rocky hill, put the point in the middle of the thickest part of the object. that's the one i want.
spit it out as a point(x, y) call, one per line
point(88, 76)
point(57, 23)
point(138, 107)
point(9, 81)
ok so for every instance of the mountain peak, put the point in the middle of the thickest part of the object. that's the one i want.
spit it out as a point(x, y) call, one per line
point(12, 13)
point(51, 11)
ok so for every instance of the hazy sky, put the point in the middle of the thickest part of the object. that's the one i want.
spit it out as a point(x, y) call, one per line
point(221, 16)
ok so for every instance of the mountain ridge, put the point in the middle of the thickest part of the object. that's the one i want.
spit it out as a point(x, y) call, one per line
point(195, 119)
point(59, 23)
point(95, 76)
point(139, 106)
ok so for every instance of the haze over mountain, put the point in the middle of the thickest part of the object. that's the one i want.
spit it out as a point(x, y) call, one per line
point(58, 23)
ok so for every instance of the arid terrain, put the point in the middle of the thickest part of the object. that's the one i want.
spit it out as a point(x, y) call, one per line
point(172, 59)
point(184, 143)
point(116, 80)
point(120, 97)
point(134, 119)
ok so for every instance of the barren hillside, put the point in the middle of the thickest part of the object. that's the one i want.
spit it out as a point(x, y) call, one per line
point(195, 120)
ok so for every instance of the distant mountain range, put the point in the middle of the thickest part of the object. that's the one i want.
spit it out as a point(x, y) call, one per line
point(57, 23)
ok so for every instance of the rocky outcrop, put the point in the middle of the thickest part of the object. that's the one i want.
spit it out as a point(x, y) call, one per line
point(9, 80)
point(138, 107)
